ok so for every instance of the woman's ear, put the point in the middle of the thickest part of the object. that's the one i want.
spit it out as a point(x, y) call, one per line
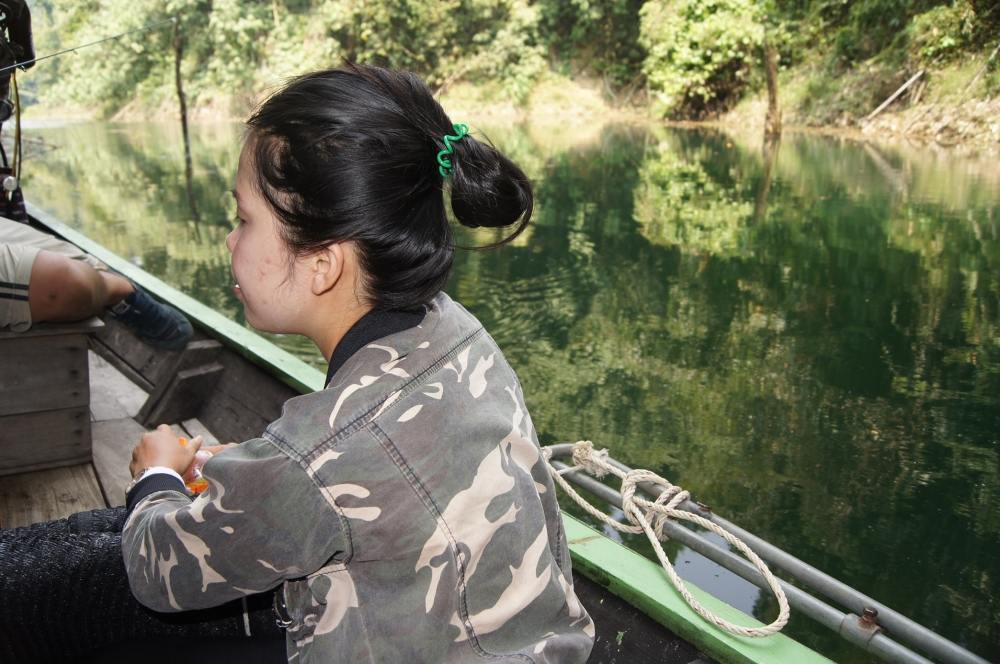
point(327, 267)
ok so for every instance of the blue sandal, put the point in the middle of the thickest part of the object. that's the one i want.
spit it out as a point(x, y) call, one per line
point(157, 324)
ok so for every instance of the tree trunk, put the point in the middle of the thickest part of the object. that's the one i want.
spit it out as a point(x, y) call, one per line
point(772, 124)
point(770, 153)
point(188, 171)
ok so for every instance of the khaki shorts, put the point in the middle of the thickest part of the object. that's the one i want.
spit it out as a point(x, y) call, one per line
point(19, 244)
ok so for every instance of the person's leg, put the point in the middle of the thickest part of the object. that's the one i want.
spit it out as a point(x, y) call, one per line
point(61, 283)
point(16, 233)
point(15, 272)
point(65, 289)
point(64, 596)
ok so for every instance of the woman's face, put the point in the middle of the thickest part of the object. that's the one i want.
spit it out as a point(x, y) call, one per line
point(266, 273)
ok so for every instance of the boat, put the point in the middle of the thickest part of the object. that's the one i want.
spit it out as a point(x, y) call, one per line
point(229, 383)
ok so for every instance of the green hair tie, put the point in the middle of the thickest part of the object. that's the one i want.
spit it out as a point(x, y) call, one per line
point(444, 164)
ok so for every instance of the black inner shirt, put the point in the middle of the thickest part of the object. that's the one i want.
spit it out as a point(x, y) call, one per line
point(372, 326)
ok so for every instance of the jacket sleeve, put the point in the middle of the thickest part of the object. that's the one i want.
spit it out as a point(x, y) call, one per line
point(261, 521)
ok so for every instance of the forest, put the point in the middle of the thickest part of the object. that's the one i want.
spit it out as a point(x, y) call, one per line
point(675, 59)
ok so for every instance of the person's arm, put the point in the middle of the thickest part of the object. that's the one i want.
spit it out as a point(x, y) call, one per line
point(262, 520)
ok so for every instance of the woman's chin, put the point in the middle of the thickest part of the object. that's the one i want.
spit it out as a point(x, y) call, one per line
point(263, 325)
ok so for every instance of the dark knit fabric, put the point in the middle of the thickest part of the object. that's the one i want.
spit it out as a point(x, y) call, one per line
point(65, 596)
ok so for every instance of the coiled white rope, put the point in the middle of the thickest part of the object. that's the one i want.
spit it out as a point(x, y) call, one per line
point(650, 516)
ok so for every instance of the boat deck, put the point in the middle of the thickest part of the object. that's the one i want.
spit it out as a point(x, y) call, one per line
point(56, 493)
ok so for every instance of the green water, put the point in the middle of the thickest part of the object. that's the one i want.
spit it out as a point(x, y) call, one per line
point(809, 343)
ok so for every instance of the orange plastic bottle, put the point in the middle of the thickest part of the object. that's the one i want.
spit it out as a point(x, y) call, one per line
point(193, 479)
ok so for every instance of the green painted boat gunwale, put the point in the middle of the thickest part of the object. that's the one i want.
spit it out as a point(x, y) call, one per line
point(643, 583)
point(611, 565)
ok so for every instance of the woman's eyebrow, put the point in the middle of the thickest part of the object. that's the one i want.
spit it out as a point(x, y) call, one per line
point(236, 197)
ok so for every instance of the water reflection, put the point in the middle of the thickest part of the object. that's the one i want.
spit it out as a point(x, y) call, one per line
point(808, 340)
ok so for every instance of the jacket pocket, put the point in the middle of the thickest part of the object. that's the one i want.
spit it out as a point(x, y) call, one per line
point(318, 603)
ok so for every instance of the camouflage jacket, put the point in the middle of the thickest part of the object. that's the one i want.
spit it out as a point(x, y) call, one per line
point(405, 509)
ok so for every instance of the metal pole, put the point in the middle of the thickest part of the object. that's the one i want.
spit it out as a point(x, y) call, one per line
point(148, 26)
point(899, 625)
point(848, 626)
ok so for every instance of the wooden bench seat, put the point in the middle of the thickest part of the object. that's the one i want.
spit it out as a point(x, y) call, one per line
point(45, 396)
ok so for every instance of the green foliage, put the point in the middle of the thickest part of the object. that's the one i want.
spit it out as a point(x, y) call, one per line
point(235, 47)
point(601, 36)
point(870, 25)
point(696, 58)
point(987, 25)
point(941, 33)
point(700, 51)
point(442, 40)
point(677, 203)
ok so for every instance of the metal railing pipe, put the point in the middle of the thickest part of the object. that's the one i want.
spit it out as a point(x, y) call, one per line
point(826, 615)
point(900, 626)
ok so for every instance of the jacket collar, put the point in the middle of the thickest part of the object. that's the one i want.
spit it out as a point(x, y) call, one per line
point(370, 327)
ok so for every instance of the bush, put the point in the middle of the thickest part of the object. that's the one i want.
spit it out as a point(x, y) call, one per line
point(700, 52)
point(940, 34)
point(871, 25)
point(600, 36)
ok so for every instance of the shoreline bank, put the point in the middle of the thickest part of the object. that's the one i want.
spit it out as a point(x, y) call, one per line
point(970, 127)
point(579, 109)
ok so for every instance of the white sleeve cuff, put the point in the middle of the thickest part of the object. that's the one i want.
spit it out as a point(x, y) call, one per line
point(162, 470)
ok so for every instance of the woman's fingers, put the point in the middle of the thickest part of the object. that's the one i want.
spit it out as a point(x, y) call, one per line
point(216, 449)
point(161, 447)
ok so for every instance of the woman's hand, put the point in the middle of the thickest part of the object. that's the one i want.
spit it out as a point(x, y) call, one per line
point(162, 448)
point(193, 472)
point(215, 449)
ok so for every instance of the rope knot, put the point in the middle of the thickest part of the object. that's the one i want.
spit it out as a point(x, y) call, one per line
point(593, 461)
point(651, 516)
point(629, 483)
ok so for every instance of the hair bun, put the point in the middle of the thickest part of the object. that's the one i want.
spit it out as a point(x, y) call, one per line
point(488, 189)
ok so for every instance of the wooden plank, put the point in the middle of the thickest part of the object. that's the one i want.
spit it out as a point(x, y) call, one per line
point(48, 494)
point(196, 353)
point(133, 357)
point(244, 402)
point(43, 373)
point(194, 427)
point(88, 326)
point(113, 443)
point(123, 367)
point(892, 97)
point(46, 439)
point(112, 395)
point(174, 393)
point(185, 396)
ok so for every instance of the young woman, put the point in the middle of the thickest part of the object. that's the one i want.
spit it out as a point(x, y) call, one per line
point(404, 512)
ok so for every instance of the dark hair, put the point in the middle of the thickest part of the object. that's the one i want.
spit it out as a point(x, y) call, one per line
point(351, 154)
